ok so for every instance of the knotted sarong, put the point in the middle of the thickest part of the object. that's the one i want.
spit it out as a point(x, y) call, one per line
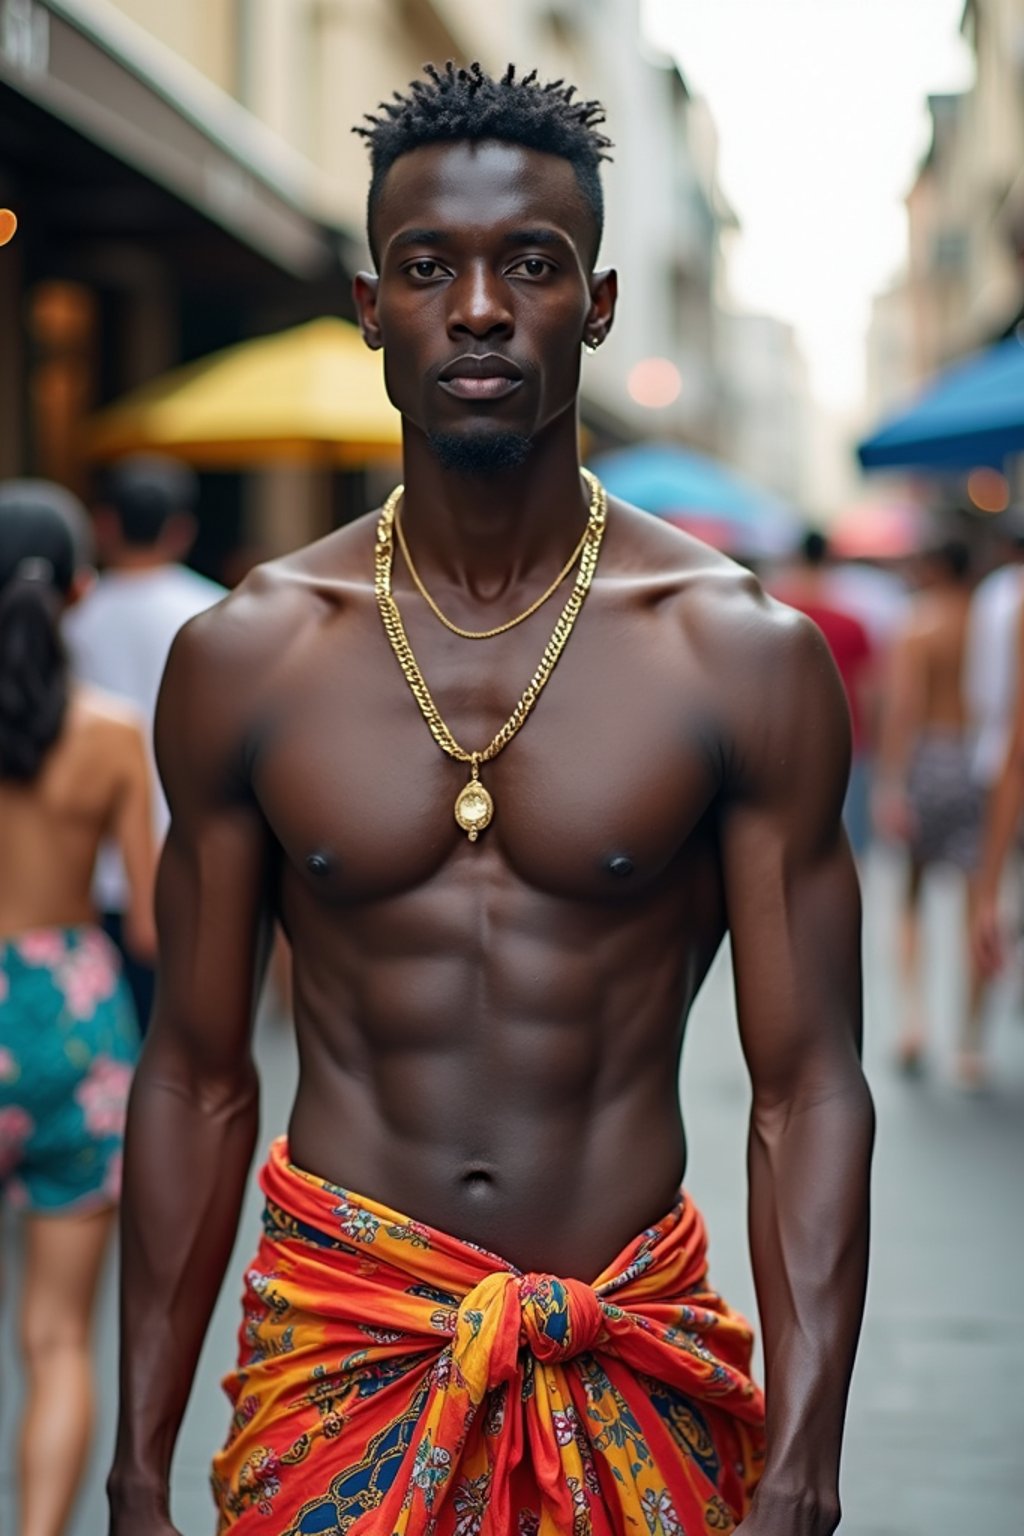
point(395, 1381)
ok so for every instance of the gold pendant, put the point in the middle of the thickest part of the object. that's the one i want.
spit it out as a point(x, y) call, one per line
point(474, 807)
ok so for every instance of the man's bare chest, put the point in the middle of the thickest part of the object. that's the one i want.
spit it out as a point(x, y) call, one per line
point(597, 792)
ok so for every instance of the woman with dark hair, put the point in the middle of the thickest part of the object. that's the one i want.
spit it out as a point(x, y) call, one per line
point(73, 770)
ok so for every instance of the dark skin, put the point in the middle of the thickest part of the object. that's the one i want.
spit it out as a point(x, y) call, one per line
point(472, 1017)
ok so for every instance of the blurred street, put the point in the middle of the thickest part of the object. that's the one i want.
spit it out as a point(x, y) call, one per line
point(936, 1419)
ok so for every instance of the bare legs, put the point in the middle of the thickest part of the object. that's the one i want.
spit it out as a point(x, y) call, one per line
point(970, 1061)
point(913, 1040)
point(63, 1255)
point(911, 1045)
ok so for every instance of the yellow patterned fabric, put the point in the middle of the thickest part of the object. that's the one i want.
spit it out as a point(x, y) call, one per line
point(395, 1381)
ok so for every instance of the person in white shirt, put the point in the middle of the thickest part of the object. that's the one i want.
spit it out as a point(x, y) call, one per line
point(990, 659)
point(119, 636)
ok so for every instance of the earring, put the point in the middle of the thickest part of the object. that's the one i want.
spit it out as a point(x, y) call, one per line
point(591, 344)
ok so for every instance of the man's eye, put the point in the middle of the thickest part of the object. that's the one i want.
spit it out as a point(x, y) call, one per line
point(426, 267)
point(532, 266)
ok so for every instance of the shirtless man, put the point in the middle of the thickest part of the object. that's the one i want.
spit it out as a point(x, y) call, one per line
point(926, 796)
point(489, 1028)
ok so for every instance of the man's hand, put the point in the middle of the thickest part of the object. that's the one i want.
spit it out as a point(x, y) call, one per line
point(987, 942)
point(891, 814)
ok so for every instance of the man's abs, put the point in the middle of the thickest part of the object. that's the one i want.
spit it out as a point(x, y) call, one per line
point(498, 1148)
point(517, 1088)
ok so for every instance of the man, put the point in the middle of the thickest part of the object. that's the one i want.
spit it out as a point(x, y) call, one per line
point(926, 796)
point(503, 897)
point(998, 633)
point(119, 636)
point(807, 588)
point(990, 654)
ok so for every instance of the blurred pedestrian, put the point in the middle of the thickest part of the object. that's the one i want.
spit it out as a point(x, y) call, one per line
point(990, 658)
point(926, 797)
point(72, 766)
point(875, 595)
point(807, 587)
point(1001, 749)
point(119, 636)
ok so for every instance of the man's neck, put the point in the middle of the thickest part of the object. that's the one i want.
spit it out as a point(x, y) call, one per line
point(810, 583)
point(129, 561)
point(489, 533)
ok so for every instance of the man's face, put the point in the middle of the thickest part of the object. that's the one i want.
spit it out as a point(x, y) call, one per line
point(485, 290)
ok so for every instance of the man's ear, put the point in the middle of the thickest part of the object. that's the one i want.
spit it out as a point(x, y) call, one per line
point(82, 583)
point(604, 293)
point(364, 292)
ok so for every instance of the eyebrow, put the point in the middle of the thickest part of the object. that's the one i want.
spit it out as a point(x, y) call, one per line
point(541, 236)
point(418, 237)
point(536, 237)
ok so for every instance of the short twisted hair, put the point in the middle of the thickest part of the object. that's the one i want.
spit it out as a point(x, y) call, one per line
point(458, 104)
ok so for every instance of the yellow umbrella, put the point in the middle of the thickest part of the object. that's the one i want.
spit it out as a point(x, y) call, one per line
point(313, 394)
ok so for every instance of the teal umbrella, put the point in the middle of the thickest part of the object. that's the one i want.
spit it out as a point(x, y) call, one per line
point(701, 495)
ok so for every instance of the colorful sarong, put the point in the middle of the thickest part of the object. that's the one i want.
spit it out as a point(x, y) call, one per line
point(394, 1381)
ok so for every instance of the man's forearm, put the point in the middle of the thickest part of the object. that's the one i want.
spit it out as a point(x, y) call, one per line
point(189, 1147)
point(1002, 819)
point(809, 1198)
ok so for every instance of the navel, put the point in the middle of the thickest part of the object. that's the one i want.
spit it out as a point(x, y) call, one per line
point(477, 1181)
point(619, 865)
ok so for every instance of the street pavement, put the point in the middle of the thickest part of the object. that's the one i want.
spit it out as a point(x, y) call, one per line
point(936, 1420)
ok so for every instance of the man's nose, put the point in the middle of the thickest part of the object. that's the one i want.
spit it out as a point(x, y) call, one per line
point(479, 304)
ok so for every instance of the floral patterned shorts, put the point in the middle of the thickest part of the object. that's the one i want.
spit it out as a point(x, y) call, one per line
point(68, 1043)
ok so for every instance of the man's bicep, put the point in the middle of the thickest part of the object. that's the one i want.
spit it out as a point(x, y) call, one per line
point(791, 887)
point(212, 888)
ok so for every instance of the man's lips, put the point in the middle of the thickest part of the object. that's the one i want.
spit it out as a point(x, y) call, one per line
point(490, 377)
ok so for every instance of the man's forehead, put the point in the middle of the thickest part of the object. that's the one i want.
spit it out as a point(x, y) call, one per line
point(474, 186)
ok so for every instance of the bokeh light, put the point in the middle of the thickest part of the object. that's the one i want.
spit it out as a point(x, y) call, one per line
point(654, 382)
point(989, 490)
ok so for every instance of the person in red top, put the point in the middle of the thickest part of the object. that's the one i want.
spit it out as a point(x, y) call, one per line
point(807, 590)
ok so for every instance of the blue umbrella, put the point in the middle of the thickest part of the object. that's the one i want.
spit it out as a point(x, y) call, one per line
point(971, 415)
point(698, 493)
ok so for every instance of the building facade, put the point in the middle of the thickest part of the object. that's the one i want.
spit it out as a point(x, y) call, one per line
point(766, 407)
point(186, 176)
point(965, 278)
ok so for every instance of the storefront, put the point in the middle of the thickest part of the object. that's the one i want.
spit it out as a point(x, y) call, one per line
point(157, 221)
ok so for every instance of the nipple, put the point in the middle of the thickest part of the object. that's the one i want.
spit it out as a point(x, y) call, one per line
point(620, 866)
point(318, 864)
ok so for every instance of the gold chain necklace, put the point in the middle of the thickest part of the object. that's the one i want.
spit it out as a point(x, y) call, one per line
point(500, 629)
point(474, 806)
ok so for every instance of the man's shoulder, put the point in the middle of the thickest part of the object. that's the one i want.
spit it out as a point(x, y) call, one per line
point(752, 656)
point(275, 605)
point(190, 590)
point(719, 603)
point(167, 596)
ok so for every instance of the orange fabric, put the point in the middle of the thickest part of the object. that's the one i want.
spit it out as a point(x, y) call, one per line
point(395, 1381)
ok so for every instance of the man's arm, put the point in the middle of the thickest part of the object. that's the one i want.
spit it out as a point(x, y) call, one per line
point(794, 917)
point(192, 1119)
point(133, 832)
point(901, 716)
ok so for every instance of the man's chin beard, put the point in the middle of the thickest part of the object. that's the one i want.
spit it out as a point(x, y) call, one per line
point(480, 453)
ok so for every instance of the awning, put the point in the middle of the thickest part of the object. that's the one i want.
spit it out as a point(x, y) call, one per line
point(972, 415)
point(91, 67)
point(312, 394)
